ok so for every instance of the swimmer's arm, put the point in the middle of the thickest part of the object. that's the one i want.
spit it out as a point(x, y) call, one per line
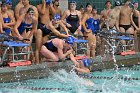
point(139, 20)
point(35, 11)
point(56, 32)
point(64, 27)
point(16, 12)
point(34, 28)
point(84, 18)
point(80, 16)
point(74, 60)
point(52, 10)
point(64, 15)
point(18, 24)
point(117, 22)
point(12, 22)
point(41, 8)
point(133, 21)
point(83, 70)
point(61, 54)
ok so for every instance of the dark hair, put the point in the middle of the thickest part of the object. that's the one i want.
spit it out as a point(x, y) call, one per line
point(127, 1)
point(88, 4)
point(107, 2)
point(30, 10)
point(81, 6)
point(3, 3)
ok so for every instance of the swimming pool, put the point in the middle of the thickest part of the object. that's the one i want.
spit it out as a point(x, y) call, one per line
point(124, 80)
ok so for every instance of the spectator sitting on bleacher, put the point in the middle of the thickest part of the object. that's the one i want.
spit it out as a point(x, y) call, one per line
point(8, 19)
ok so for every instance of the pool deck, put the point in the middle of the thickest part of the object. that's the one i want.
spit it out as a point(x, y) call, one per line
point(36, 71)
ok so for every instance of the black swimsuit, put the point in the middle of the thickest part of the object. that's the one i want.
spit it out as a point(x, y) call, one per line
point(126, 27)
point(73, 21)
point(135, 19)
point(50, 46)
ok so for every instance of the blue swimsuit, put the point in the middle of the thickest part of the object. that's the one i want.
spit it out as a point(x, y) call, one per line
point(7, 20)
point(96, 24)
point(90, 25)
point(50, 46)
point(24, 26)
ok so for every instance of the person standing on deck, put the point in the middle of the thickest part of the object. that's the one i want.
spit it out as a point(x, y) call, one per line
point(105, 14)
point(89, 30)
point(23, 10)
point(56, 8)
point(8, 19)
point(135, 18)
point(124, 22)
point(17, 9)
point(72, 18)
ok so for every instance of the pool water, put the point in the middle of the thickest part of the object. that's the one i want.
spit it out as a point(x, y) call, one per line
point(124, 80)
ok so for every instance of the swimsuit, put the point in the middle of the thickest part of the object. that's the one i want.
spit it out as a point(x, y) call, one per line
point(50, 46)
point(73, 21)
point(7, 20)
point(24, 26)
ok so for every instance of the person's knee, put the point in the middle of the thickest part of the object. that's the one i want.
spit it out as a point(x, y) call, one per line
point(38, 33)
point(55, 59)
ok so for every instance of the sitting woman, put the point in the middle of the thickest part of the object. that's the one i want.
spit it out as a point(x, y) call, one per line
point(8, 19)
point(26, 25)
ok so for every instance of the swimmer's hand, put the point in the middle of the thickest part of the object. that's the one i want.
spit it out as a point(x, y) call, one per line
point(89, 30)
point(77, 64)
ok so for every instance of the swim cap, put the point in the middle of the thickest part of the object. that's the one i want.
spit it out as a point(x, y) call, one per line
point(3, 3)
point(8, 2)
point(86, 62)
point(135, 2)
point(48, 2)
point(70, 40)
point(56, 17)
point(72, 2)
point(117, 3)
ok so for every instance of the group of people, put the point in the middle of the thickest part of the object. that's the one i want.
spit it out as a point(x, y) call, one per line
point(46, 19)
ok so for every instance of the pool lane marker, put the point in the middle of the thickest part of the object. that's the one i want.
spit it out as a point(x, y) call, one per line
point(105, 77)
point(40, 88)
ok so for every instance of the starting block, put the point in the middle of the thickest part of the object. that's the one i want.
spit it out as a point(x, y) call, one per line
point(80, 47)
point(80, 57)
point(18, 58)
point(128, 53)
point(14, 64)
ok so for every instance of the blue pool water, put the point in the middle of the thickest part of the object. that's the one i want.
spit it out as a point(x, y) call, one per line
point(124, 80)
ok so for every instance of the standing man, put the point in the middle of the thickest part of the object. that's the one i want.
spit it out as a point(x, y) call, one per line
point(125, 18)
point(56, 7)
point(114, 15)
point(17, 9)
point(27, 5)
point(105, 13)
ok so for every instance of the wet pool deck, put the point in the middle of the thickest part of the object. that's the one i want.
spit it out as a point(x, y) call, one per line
point(36, 71)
